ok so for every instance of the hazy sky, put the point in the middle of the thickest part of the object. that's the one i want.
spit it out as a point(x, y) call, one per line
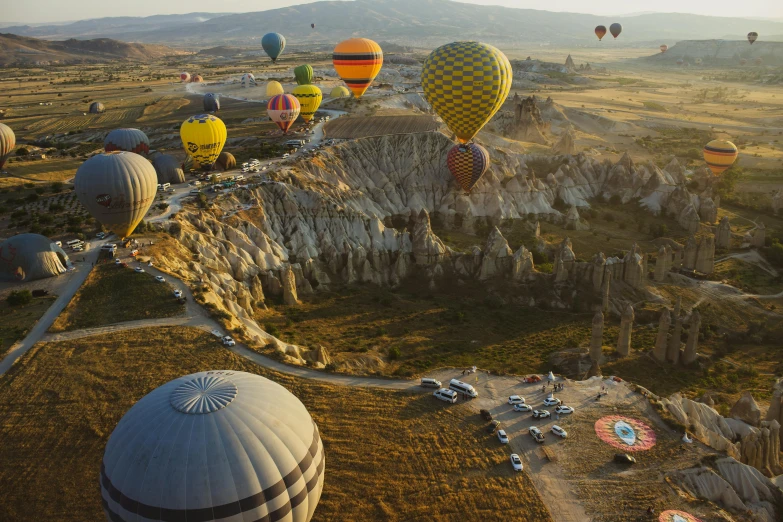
point(36, 11)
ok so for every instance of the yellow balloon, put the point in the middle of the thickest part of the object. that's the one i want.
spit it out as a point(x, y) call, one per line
point(203, 137)
point(340, 92)
point(274, 88)
point(466, 83)
point(309, 97)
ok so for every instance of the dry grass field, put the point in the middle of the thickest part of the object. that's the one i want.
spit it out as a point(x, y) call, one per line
point(350, 128)
point(16, 321)
point(389, 455)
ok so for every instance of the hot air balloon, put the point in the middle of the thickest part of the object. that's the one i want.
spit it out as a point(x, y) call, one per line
point(248, 80)
point(190, 164)
point(203, 137)
point(283, 109)
point(7, 142)
point(129, 140)
point(196, 79)
point(467, 163)
point(211, 102)
point(303, 74)
point(466, 97)
point(168, 169)
point(214, 445)
point(357, 62)
point(615, 29)
point(698, 61)
point(273, 44)
point(25, 257)
point(312, 26)
point(752, 37)
point(117, 189)
point(96, 108)
point(758, 61)
point(227, 161)
point(720, 155)
point(600, 32)
point(309, 97)
point(664, 48)
point(340, 92)
point(184, 76)
point(274, 88)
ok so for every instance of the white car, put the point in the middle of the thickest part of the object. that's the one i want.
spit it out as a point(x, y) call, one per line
point(536, 434)
point(560, 432)
point(228, 341)
point(551, 401)
point(160, 279)
point(541, 414)
point(445, 394)
point(286, 155)
point(516, 462)
point(139, 269)
point(523, 407)
point(117, 261)
point(177, 293)
point(564, 410)
point(78, 248)
point(516, 399)
point(502, 437)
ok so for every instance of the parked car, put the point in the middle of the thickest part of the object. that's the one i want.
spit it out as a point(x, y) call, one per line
point(564, 410)
point(516, 399)
point(286, 155)
point(551, 401)
point(100, 235)
point(139, 269)
point(228, 341)
point(445, 394)
point(541, 414)
point(486, 415)
point(118, 261)
point(624, 458)
point(523, 407)
point(177, 293)
point(160, 279)
point(516, 462)
point(502, 437)
point(536, 434)
point(430, 383)
point(560, 432)
point(494, 425)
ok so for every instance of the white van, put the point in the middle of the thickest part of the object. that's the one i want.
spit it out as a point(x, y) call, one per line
point(445, 395)
point(239, 177)
point(462, 387)
point(162, 187)
point(73, 242)
point(430, 383)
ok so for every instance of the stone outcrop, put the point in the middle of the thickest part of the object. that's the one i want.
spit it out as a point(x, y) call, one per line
point(775, 411)
point(661, 264)
point(522, 264)
point(723, 233)
point(673, 350)
point(626, 328)
point(597, 337)
point(569, 63)
point(746, 409)
point(692, 345)
point(527, 123)
point(564, 261)
point(708, 210)
point(699, 254)
point(427, 247)
point(497, 256)
point(288, 282)
point(759, 236)
point(566, 144)
point(662, 340)
point(777, 202)
point(572, 220)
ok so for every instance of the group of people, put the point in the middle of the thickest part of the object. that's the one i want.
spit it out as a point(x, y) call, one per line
point(555, 387)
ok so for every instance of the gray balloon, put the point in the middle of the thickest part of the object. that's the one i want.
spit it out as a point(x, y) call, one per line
point(96, 108)
point(25, 257)
point(117, 189)
point(130, 140)
point(211, 102)
point(168, 169)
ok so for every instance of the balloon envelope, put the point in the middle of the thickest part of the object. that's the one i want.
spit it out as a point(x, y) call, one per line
point(466, 97)
point(664, 48)
point(467, 164)
point(309, 97)
point(340, 92)
point(25, 257)
point(615, 29)
point(283, 109)
point(168, 169)
point(197, 79)
point(274, 88)
point(129, 140)
point(357, 62)
point(600, 32)
point(752, 37)
point(96, 108)
point(248, 80)
point(117, 189)
point(184, 76)
point(226, 161)
point(211, 102)
point(720, 155)
point(7, 142)
point(273, 44)
point(303, 74)
point(203, 137)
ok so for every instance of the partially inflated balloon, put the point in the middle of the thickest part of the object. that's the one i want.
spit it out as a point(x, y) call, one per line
point(340, 92)
point(197, 79)
point(357, 62)
point(664, 48)
point(96, 108)
point(227, 161)
point(467, 164)
point(7, 142)
point(720, 155)
point(203, 137)
point(117, 189)
point(752, 37)
point(274, 88)
point(466, 83)
point(600, 32)
point(273, 44)
point(248, 80)
point(184, 76)
point(211, 102)
point(283, 109)
point(129, 140)
point(309, 97)
point(615, 29)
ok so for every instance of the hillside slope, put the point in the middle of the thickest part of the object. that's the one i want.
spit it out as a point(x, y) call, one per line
point(719, 52)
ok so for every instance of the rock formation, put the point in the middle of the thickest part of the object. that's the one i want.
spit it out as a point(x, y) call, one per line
point(528, 125)
point(288, 281)
point(569, 63)
point(497, 255)
point(427, 247)
point(565, 145)
point(605, 292)
point(746, 409)
point(689, 355)
point(759, 235)
point(699, 255)
point(572, 221)
point(723, 234)
point(673, 350)
point(775, 411)
point(777, 201)
point(626, 327)
point(661, 264)
point(661, 342)
point(708, 210)
point(597, 337)
point(522, 264)
point(564, 261)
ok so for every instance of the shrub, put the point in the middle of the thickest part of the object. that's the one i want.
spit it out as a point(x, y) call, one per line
point(22, 151)
point(394, 353)
point(19, 297)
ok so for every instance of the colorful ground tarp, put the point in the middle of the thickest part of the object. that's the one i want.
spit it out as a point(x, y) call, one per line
point(625, 433)
point(677, 516)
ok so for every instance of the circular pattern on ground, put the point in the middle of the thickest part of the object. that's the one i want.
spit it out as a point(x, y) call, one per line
point(625, 433)
point(203, 395)
point(677, 516)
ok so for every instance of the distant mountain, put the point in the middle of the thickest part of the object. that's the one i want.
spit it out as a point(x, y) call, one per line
point(709, 53)
point(22, 50)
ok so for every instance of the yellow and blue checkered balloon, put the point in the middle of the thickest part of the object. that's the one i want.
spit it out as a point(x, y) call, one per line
point(466, 83)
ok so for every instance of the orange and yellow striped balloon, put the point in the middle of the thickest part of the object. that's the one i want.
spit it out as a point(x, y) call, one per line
point(720, 155)
point(358, 61)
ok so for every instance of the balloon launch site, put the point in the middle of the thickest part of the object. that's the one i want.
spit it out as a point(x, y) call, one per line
point(381, 260)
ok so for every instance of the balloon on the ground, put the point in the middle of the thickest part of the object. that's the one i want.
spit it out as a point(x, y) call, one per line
point(227, 161)
point(26, 257)
point(625, 433)
point(168, 169)
point(303, 74)
point(467, 96)
point(357, 62)
point(7, 142)
point(190, 164)
point(117, 189)
point(273, 44)
point(467, 163)
point(184, 76)
point(129, 140)
point(248, 80)
point(664, 48)
point(752, 37)
point(96, 108)
point(600, 32)
point(720, 155)
point(274, 88)
point(211, 102)
point(283, 109)
point(340, 92)
point(203, 137)
point(309, 97)
point(615, 29)
point(214, 445)
point(196, 79)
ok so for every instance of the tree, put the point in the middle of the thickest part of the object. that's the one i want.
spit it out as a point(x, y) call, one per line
point(22, 151)
point(19, 297)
